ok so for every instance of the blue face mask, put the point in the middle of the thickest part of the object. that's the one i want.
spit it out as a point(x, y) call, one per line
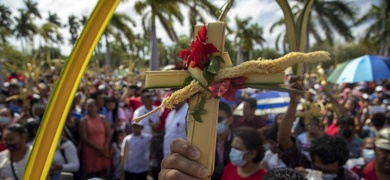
point(236, 157)
point(329, 176)
point(221, 127)
point(368, 155)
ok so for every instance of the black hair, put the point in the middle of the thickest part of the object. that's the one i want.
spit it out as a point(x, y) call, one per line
point(96, 94)
point(145, 91)
point(115, 135)
point(114, 115)
point(225, 108)
point(346, 121)
point(17, 128)
point(252, 102)
point(283, 174)
point(272, 134)
point(252, 141)
point(330, 149)
point(378, 119)
point(32, 129)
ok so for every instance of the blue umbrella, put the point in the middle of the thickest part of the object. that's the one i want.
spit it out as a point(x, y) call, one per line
point(365, 68)
point(270, 102)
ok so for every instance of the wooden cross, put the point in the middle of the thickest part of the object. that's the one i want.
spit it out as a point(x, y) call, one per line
point(203, 134)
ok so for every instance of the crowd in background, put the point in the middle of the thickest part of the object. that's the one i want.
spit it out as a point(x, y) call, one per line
point(350, 140)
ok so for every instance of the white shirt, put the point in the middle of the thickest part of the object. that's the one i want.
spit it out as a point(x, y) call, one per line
point(175, 127)
point(272, 160)
point(5, 165)
point(154, 118)
point(137, 154)
point(304, 144)
point(354, 162)
point(70, 152)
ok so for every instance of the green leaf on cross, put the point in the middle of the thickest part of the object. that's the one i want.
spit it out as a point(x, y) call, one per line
point(214, 66)
point(187, 81)
point(208, 77)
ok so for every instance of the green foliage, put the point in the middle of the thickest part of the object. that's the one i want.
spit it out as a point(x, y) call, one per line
point(340, 53)
point(199, 110)
point(11, 58)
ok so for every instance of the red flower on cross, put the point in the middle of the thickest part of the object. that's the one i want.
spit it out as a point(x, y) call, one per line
point(199, 52)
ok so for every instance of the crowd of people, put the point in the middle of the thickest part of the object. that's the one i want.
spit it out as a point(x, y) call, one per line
point(349, 140)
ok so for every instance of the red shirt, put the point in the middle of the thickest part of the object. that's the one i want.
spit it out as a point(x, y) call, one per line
point(332, 130)
point(369, 171)
point(2, 147)
point(257, 122)
point(230, 173)
point(135, 102)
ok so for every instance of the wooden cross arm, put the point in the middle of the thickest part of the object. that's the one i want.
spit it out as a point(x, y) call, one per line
point(175, 79)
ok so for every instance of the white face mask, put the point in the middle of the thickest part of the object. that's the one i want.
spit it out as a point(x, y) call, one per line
point(4, 120)
point(221, 127)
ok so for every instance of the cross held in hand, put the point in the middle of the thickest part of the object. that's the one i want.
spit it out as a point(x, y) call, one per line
point(218, 79)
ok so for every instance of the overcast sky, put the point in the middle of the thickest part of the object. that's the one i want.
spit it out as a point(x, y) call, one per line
point(264, 12)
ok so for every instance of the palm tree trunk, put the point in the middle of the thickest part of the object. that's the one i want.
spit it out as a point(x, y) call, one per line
point(240, 56)
point(383, 44)
point(108, 52)
point(154, 62)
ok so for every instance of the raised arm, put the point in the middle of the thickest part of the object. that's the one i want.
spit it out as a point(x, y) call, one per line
point(284, 133)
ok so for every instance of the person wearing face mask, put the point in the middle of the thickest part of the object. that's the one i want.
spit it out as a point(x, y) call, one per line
point(379, 168)
point(328, 154)
point(14, 159)
point(224, 139)
point(367, 154)
point(245, 156)
point(347, 130)
point(271, 158)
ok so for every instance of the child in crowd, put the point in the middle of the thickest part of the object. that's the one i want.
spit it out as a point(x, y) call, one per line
point(117, 140)
point(135, 149)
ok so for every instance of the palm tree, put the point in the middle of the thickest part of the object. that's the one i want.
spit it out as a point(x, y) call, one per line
point(379, 29)
point(164, 12)
point(5, 23)
point(119, 29)
point(24, 28)
point(48, 32)
point(195, 12)
point(53, 18)
point(282, 36)
point(332, 17)
point(247, 36)
point(32, 8)
point(74, 26)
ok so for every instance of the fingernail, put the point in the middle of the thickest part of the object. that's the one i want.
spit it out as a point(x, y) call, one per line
point(195, 154)
point(203, 172)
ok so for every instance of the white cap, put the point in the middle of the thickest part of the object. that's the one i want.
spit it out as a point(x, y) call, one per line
point(379, 88)
point(138, 123)
point(101, 87)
